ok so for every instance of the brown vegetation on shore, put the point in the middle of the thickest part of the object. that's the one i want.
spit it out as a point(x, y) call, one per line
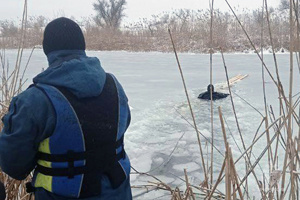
point(190, 29)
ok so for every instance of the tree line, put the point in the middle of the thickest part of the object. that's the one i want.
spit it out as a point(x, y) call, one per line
point(190, 28)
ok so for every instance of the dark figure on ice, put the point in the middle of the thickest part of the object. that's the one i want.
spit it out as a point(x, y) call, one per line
point(69, 125)
point(215, 95)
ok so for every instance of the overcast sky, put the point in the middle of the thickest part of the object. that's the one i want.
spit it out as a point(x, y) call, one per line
point(135, 9)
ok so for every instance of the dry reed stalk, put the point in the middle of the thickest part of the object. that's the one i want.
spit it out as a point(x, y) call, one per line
point(236, 178)
point(247, 158)
point(270, 155)
point(275, 61)
point(227, 175)
point(189, 191)
point(175, 193)
point(190, 106)
point(289, 153)
point(251, 146)
point(199, 132)
point(281, 95)
point(288, 104)
point(206, 190)
point(10, 86)
point(229, 166)
point(257, 161)
point(227, 161)
point(218, 180)
point(211, 100)
point(249, 104)
point(259, 137)
point(25, 69)
point(289, 132)
point(279, 85)
point(255, 135)
point(20, 51)
point(250, 41)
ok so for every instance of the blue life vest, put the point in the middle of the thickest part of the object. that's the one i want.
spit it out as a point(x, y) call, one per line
point(87, 142)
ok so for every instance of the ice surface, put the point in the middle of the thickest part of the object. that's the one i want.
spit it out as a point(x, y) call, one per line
point(159, 140)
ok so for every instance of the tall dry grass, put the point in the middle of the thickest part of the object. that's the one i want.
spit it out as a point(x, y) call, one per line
point(281, 181)
point(12, 80)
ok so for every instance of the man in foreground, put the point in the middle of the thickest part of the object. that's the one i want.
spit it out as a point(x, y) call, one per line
point(69, 125)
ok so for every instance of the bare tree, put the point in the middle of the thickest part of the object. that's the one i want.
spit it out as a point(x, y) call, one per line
point(284, 4)
point(109, 13)
point(8, 28)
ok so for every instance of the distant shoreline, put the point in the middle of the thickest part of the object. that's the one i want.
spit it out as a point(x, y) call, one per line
point(245, 52)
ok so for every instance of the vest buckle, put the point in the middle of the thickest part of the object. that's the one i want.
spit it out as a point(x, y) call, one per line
point(71, 169)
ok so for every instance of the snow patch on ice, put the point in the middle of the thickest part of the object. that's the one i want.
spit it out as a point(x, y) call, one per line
point(189, 166)
point(158, 160)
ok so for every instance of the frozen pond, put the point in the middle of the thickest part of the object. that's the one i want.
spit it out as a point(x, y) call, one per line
point(155, 91)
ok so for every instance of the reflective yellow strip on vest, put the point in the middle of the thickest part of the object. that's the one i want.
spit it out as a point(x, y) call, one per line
point(41, 179)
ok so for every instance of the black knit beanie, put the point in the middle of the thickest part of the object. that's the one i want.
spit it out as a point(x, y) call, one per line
point(63, 34)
